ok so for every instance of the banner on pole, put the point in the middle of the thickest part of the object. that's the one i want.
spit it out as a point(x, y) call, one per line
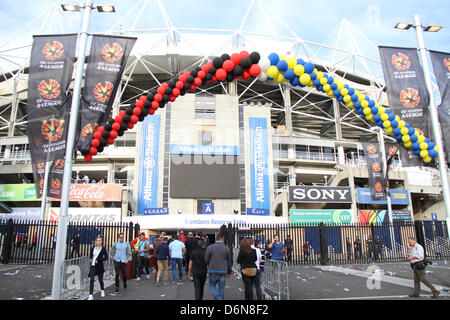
point(105, 65)
point(377, 179)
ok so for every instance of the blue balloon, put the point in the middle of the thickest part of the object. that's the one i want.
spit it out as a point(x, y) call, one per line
point(354, 97)
point(415, 145)
point(351, 91)
point(269, 78)
point(431, 145)
point(394, 124)
point(316, 83)
point(397, 131)
point(391, 117)
point(398, 137)
point(337, 93)
point(374, 110)
point(346, 86)
point(371, 104)
point(309, 67)
point(411, 132)
point(301, 85)
point(427, 140)
point(380, 123)
point(300, 61)
point(414, 138)
point(320, 88)
point(432, 153)
point(282, 65)
point(330, 80)
point(294, 82)
point(313, 76)
point(407, 125)
point(359, 111)
point(340, 98)
point(357, 104)
point(416, 152)
point(333, 86)
point(377, 117)
point(274, 58)
point(289, 74)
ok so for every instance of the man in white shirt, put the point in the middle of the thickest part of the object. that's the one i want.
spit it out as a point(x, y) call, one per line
point(416, 257)
point(258, 273)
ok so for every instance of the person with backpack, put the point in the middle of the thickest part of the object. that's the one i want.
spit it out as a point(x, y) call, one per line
point(120, 253)
point(97, 255)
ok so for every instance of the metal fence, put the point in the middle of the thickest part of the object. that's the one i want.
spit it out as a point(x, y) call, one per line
point(340, 244)
point(275, 279)
point(34, 242)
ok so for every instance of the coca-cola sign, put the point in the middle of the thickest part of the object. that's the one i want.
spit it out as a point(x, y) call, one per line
point(95, 192)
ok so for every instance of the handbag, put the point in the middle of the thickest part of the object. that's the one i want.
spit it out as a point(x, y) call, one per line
point(249, 272)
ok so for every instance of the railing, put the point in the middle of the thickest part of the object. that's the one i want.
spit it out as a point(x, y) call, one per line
point(305, 155)
point(275, 279)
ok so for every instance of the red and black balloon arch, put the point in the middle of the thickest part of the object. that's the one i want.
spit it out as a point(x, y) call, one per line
point(245, 65)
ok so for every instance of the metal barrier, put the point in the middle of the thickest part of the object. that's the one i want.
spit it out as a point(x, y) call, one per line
point(75, 277)
point(275, 278)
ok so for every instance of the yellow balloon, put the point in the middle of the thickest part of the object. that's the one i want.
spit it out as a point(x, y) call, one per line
point(404, 130)
point(319, 75)
point(361, 98)
point(292, 62)
point(283, 58)
point(385, 117)
point(347, 98)
point(299, 70)
point(427, 159)
point(424, 153)
point(389, 130)
point(350, 105)
point(387, 124)
point(340, 86)
point(305, 79)
point(369, 117)
point(417, 132)
point(381, 110)
point(279, 78)
point(344, 92)
point(420, 138)
point(401, 124)
point(436, 148)
point(408, 144)
point(397, 118)
point(324, 82)
point(365, 104)
point(326, 87)
point(330, 93)
point(272, 72)
point(423, 146)
point(406, 138)
point(367, 111)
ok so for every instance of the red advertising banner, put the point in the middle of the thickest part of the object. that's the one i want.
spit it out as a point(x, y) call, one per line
point(95, 192)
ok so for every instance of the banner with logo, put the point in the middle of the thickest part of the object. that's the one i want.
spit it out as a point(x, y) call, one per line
point(55, 178)
point(148, 164)
point(311, 194)
point(398, 197)
point(373, 217)
point(377, 179)
point(110, 215)
point(441, 66)
point(33, 213)
point(48, 104)
point(106, 63)
point(407, 94)
point(299, 216)
point(259, 165)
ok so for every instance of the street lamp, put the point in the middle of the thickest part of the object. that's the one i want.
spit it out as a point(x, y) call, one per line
point(67, 178)
point(432, 108)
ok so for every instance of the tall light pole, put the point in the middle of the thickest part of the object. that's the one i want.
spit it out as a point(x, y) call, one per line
point(435, 125)
point(67, 178)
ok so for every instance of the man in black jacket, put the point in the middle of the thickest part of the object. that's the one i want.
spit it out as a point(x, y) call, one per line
point(197, 269)
point(191, 246)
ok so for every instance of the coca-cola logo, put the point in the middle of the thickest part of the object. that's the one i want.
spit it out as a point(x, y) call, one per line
point(92, 192)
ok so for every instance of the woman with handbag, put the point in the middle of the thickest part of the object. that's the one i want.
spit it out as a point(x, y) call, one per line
point(98, 254)
point(247, 258)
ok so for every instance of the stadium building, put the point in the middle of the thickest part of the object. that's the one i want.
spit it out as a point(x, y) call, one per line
point(195, 158)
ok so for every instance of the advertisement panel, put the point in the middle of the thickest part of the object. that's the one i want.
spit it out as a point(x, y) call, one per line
point(398, 197)
point(299, 194)
point(259, 164)
point(315, 216)
point(88, 214)
point(148, 164)
point(22, 214)
point(377, 179)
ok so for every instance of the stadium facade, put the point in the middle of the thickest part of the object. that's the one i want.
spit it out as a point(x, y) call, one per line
point(234, 152)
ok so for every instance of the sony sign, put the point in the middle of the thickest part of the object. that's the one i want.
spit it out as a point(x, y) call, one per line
point(320, 194)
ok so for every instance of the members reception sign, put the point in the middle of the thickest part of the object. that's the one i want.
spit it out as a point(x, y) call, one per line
point(300, 216)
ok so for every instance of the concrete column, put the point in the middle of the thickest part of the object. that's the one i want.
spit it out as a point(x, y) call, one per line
point(287, 109)
point(337, 121)
point(232, 88)
point(351, 183)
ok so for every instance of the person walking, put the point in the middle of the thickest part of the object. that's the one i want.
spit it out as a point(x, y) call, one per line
point(197, 269)
point(254, 245)
point(246, 258)
point(121, 254)
point(142, 253)
point(306, 251)
point(76, 245)
point(162, 259)
point(97, 255)
point(265, 254)
point(177, 251)
point(33, 242)
point(218, 261)
point(277, 249)
point(416, 258)
point(349, 247)
point(191, 246)
point(289, 245)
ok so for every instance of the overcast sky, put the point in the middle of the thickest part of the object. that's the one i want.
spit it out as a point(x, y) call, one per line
point(316, 21)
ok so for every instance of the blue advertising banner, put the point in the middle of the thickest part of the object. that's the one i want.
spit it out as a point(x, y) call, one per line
point(258, 212)
point(204, 149)
point(148, 165)
point(398, 196)
point(207, 208)
point(259, 164)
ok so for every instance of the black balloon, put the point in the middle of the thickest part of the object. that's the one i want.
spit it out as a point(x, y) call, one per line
point(190, 79)
point(246, 63)
point(166, 98)
point(84, 152)
point(162, 104)
point(230, 77)
point(105, 134)
point(237, 71)
point(225, 57)
point(129, 111)
point(100, 148)
point(172, 83)
point(194, 73)
point(182, 92)
point(198, 69)
point(208, 76)
point(141, 117)
point(187, 86)
point(255, 57)
point(217, 62)
point(212, 71)
point(103, 142)
point(147, 105)
point(150, 97)
point(123, 126)
point(119, 133)
point(108, 127)
point(126, 118)
point(168, 91)
point(144, 112)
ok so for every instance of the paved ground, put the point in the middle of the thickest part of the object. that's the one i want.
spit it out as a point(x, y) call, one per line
point(305, 282)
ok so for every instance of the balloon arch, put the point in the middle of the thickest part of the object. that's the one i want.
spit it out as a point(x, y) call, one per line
point(276, 68)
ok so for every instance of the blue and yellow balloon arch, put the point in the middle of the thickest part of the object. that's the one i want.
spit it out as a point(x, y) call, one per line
point(244, 65)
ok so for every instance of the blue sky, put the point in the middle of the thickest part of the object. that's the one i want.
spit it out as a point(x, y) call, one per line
point(310, 20)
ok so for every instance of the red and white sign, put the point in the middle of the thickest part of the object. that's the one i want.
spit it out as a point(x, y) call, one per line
point(95, 192)
point(109, 215)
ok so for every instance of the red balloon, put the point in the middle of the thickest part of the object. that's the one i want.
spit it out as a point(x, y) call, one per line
point(255, 70)
point(122, 113)
point(228, 65)
point(187, 73)
point(164, 85)
point(93, 151)
point(193, 87)
point(221, 74)
point(95, 142)
point(171, 98)
point(198, 81)
point(179, 85)
point(161, 90)
point(113, 134)
point(118, 119)
point(143, 99)
point(176, 92)
point(130, 125)
point(140, 104)
point(97, 135)
point(101, 129)
point(88, 157)
point(116, 126)
point(214, 78)
point(236, 58)
point(205, 68)
point(136, 111)
point(151, 111)
point(201, 74)
point(110, 140)
point(158, 97)
point(246, 74)
point(134, 118)
point(155, 105)
point(182, 78)
point(244, 54)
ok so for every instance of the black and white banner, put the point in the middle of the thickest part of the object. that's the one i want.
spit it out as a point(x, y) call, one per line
point(105, 65)
point(377, 179)
point(441, 66)
point(311, 194)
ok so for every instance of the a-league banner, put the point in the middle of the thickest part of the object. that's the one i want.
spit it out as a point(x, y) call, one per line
point(407, 94)
point(105, 65)
point(55, 178)
point(377, 180)
point(441, 66)
point(50, 73)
